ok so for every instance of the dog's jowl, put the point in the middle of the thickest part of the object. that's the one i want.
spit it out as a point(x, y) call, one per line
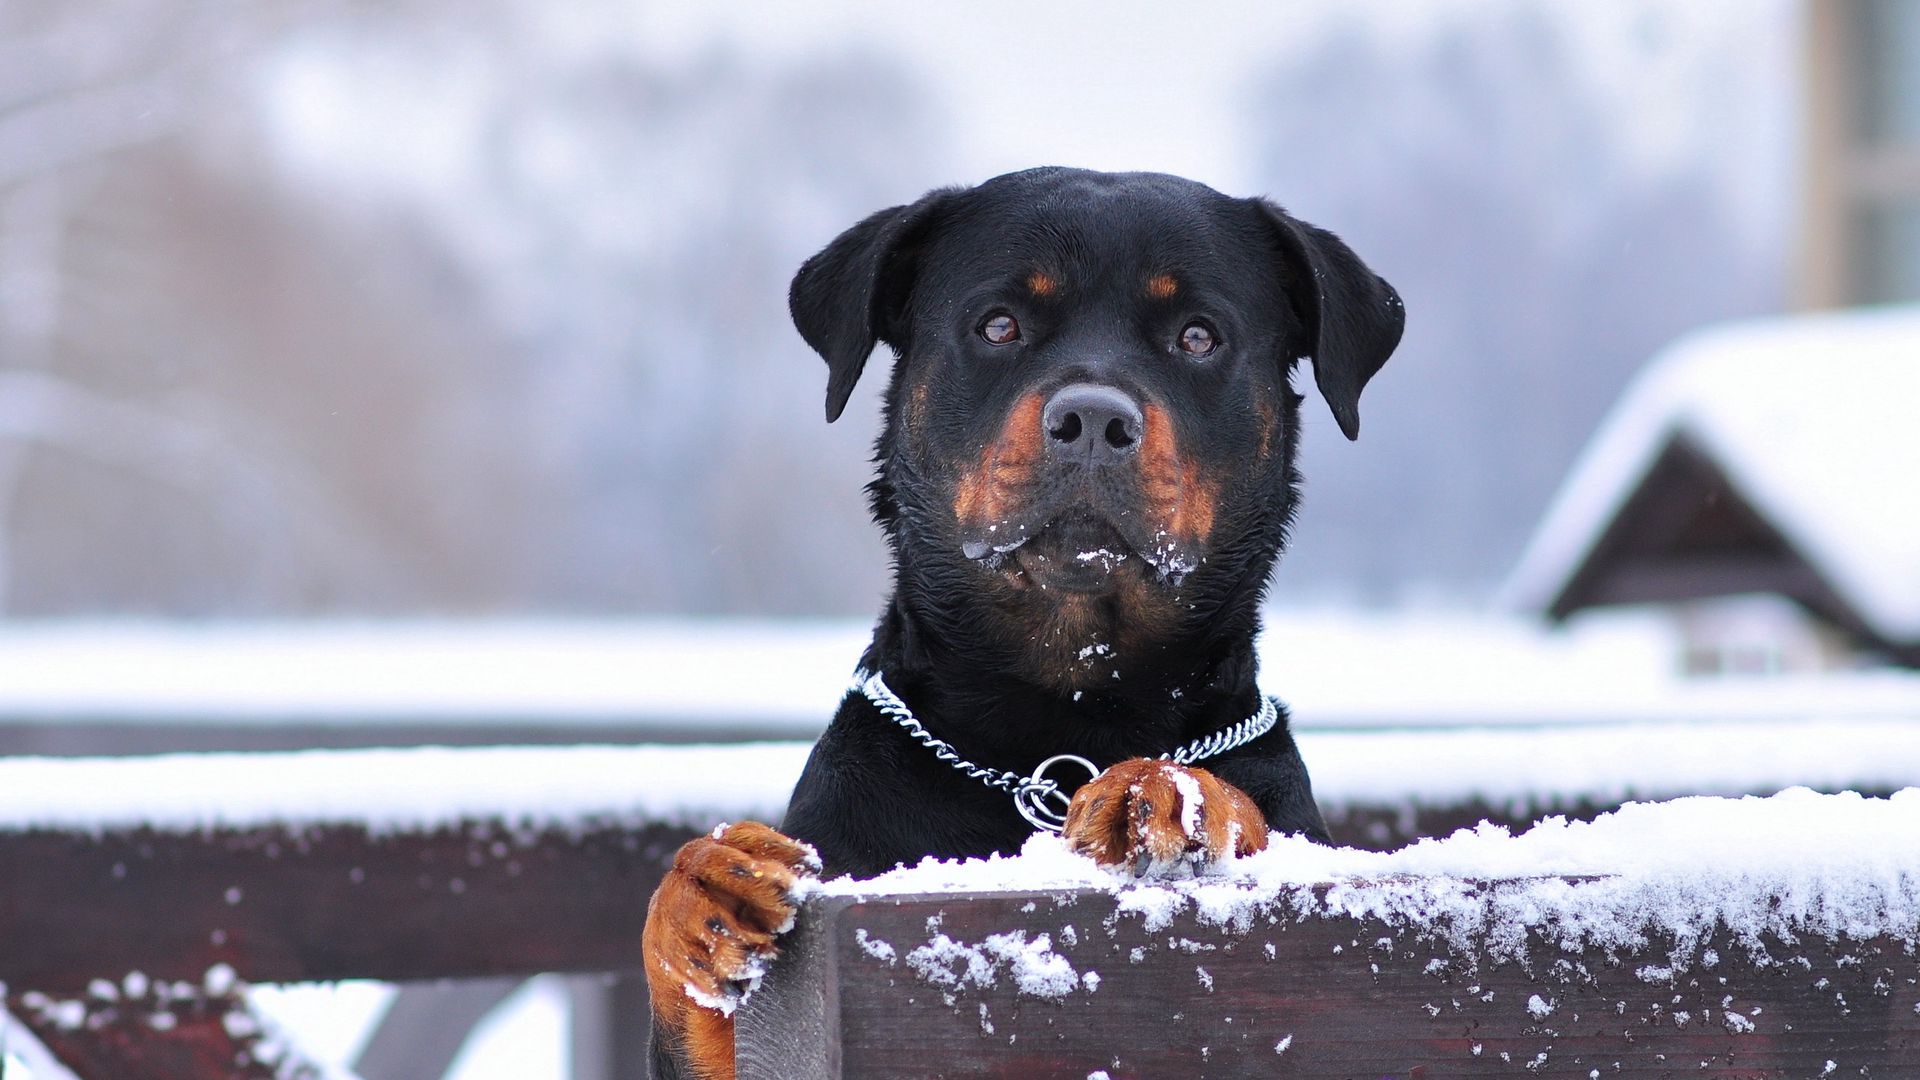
point(1086, 473)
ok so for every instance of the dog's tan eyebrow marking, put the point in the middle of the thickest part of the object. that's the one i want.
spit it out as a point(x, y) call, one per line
point(1162, 286)
point(1041, 283)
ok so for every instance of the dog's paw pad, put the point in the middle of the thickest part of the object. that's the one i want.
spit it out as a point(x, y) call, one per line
point(712, 925)
point(1159, 819)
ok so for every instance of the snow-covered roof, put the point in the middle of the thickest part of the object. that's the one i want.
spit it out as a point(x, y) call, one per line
point(1811, 418)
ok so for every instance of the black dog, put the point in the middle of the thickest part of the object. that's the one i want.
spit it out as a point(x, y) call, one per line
point(1085, 476)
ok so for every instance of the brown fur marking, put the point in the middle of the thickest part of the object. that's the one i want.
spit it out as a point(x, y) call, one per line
point(1131, 815)
point(917, 416)
point(710, 924)
point(1162, 287)
point(1041, 283)
point(1006, 465)
point(708, 1042)
point(1178, 495)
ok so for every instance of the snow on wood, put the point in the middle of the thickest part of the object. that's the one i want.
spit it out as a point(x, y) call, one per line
point(155, 1028)
point(1811, 419)
point(1793, 863)
point(697, 786)
point(1727, 937)
point(412, 790)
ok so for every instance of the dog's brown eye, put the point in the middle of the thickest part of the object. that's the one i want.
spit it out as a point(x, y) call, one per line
point(1001, 329)
point(1198, 340)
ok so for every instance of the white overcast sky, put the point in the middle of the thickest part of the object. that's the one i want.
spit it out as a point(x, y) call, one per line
point(1146, 84)
point(1703, 87)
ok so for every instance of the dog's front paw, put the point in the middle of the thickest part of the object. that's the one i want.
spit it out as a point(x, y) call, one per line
point(710, 932)
point(1158, 819)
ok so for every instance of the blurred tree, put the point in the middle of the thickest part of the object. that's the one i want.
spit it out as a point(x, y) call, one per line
point(428, 308)
point(1548, 232)
point(82, 91)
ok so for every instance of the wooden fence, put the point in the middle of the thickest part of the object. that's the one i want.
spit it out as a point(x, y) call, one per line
point(1298, 995)
point(124, 950)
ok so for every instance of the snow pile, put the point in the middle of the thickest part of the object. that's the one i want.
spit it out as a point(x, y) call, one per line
point(404, 790)
point(1037, 970)
point(1837, 866)
point(1607, 764)
point(696, 786)
point(1810, 418)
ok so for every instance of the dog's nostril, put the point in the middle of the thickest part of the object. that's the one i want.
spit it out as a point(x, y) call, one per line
point(1092, 423)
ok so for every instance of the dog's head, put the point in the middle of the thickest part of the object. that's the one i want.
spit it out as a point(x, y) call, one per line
point(1090, 430)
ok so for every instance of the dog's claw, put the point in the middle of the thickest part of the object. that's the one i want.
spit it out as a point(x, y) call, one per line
point(713, 922)
point(1135, 818)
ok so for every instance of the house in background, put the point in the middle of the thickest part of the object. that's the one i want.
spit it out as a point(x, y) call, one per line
point(1763, 480)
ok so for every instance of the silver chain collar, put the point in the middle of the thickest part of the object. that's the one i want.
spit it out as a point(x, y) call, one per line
point(1039, 799)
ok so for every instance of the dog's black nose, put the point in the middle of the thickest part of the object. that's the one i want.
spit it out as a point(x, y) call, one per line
point(1088, 420)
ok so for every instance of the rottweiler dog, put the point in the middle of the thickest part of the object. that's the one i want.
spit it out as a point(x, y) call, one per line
point(1085, 475)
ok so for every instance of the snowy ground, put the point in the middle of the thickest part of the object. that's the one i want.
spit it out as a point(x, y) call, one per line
point(1335, 670)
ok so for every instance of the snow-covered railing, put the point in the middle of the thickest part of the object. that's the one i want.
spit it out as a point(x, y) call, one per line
point(136, 894)
point(286, 685)
point(1705, 937)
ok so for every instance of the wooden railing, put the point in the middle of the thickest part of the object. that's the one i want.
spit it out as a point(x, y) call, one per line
point(1302, 991)
point(123, 949)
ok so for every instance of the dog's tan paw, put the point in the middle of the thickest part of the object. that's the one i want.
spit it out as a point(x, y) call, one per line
point(711, 928)
point(1159, 819)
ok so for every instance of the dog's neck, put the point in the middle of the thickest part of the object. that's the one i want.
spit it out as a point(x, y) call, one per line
point(968, 696)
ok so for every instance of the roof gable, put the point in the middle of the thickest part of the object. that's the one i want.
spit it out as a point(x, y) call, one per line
point(1813, 421)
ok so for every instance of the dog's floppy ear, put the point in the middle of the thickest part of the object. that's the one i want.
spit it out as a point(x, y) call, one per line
point(1353, 317)
point(854, 292)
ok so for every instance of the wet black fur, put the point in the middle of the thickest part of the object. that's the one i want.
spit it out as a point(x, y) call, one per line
point(952, 641)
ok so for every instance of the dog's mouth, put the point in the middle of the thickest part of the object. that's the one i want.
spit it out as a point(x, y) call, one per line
point(1077, 551)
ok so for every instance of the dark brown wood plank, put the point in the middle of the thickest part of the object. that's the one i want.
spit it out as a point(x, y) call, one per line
point(1319, 996)
point(162, 1032)
point(281, 905)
